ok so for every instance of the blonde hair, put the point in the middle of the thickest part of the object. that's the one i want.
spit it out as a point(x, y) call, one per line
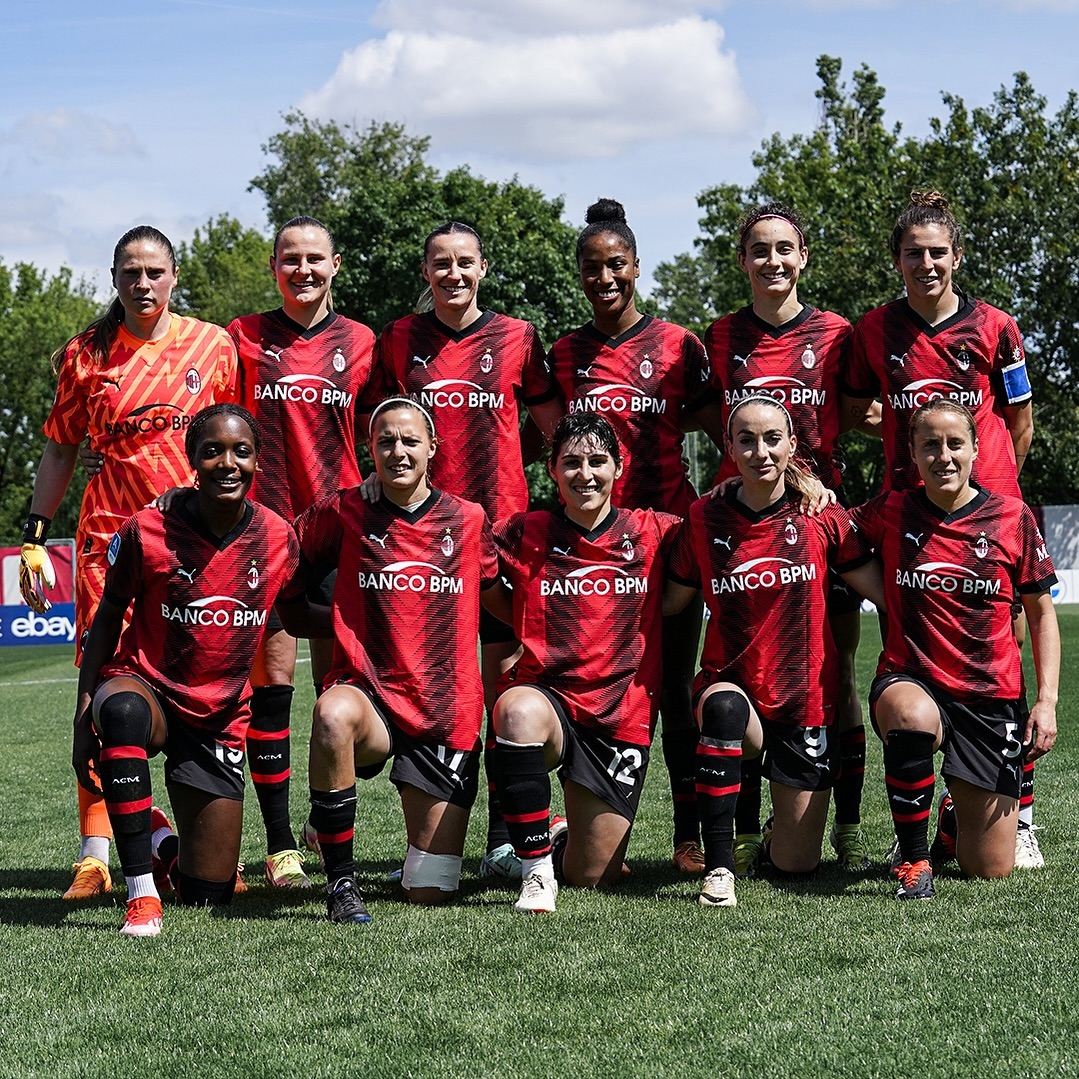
point(797, 475)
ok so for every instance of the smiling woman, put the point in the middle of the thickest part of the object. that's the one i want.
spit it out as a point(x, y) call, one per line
point(129, 383)
point(200, 579)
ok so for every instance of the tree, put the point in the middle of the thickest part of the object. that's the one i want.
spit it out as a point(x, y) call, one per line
point(38, 313)
point(375, 191)
point(1011, 172)
point(224, 273)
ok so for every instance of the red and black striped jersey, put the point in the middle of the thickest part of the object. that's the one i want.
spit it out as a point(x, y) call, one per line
point(587, 607)
point(473, 383)
point(798, 363)
point(200, 608)
point(765, 581)
point(949, 582)
point(643, 382)
point(975, 357)
point(406, 606)
point(305, 387)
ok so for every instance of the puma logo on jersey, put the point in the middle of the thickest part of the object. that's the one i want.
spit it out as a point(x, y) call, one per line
point(380, 540)
point(111, 381)
point(723, 542)
point(274, 354)
point(743, 360)
point(899, 361)
point(916, 538)
point(187, 574)
point(423, 361)
point(584, 372)
point(560, 550)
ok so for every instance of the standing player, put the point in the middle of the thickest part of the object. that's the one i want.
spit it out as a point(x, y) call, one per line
point(405, 682)
point(950, 676)
point(473, 370)
point(203, 577)
point(587, 607)
point(130, 382)
point(939, 342)
point(796, 353)
point(646, 377)
point(306, 374)
point(768, 675)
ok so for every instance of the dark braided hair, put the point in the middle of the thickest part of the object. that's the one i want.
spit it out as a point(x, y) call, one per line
point(225, 408)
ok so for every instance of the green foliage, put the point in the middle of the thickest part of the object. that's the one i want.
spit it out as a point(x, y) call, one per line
point(828, 976)
point(38, 313)
point(1011, 172)
point(374, 189)
point(224, 273)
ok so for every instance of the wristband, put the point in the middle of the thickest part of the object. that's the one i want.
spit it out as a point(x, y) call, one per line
point(36, 529)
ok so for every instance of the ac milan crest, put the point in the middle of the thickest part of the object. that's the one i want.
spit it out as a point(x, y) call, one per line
point(981, 545)
point(253, 575)
point(487, 362)
point(646, 369)
point(338, 361)
point(790, 533)
point(809, 358)
point(193, 381)
point(446, 546)
point(962, 358)
point(628, 550)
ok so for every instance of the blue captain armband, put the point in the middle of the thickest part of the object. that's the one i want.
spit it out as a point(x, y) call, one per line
point(1016, 383)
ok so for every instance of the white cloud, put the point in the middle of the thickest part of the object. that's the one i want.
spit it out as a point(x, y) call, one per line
point(572, 85)
point(63, 134)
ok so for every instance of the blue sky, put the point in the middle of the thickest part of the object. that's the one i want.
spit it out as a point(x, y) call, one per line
point(112, 115)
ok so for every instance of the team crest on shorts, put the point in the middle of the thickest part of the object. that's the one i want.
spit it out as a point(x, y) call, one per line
point(446, 546)
point(338, 361)
point(487, 362)
point(809, 358)
point(193, 381)
point(253, 575)
point(981, 545)
point(962, 358)
point(628, 550)
point(790, 533)
point(647, 370)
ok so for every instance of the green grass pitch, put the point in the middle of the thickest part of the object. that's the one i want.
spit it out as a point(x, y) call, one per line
point(832, 977)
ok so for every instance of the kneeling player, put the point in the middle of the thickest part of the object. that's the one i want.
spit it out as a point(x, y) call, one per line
point(405, 681)
point(950, 676)
point(769, 673)
point(202, 577)
point(587, 599)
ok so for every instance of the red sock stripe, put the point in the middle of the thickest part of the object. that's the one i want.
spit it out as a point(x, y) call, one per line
point(709, 750)
point(1028, 768)
point(909, 818)
point(336, 837)
point(718, 792)
point(122, 808)
point(917, 785)
point(535, 852)
point(254, 735)
point(119, 753)
point(528, 818)
point(274, 777)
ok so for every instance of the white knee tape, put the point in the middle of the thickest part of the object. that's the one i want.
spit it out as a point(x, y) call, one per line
point(425, 870)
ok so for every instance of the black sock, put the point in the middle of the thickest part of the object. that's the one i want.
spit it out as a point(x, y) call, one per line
point(497, 832)
point(724, 718)
point(525, 790)
point(747, 812)
point(847, 792)
point(680, 756)
point(909, 777)
point(124, 722)
point(269, 759)
point(333, 816)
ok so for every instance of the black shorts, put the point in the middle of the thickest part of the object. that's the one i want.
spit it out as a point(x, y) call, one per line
point(842, 599)
point(196, 759)
point(494, 630)
point(983, 739)
point(450, 775)
point(800, 757)
point(612, 770)
point(318, 582)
